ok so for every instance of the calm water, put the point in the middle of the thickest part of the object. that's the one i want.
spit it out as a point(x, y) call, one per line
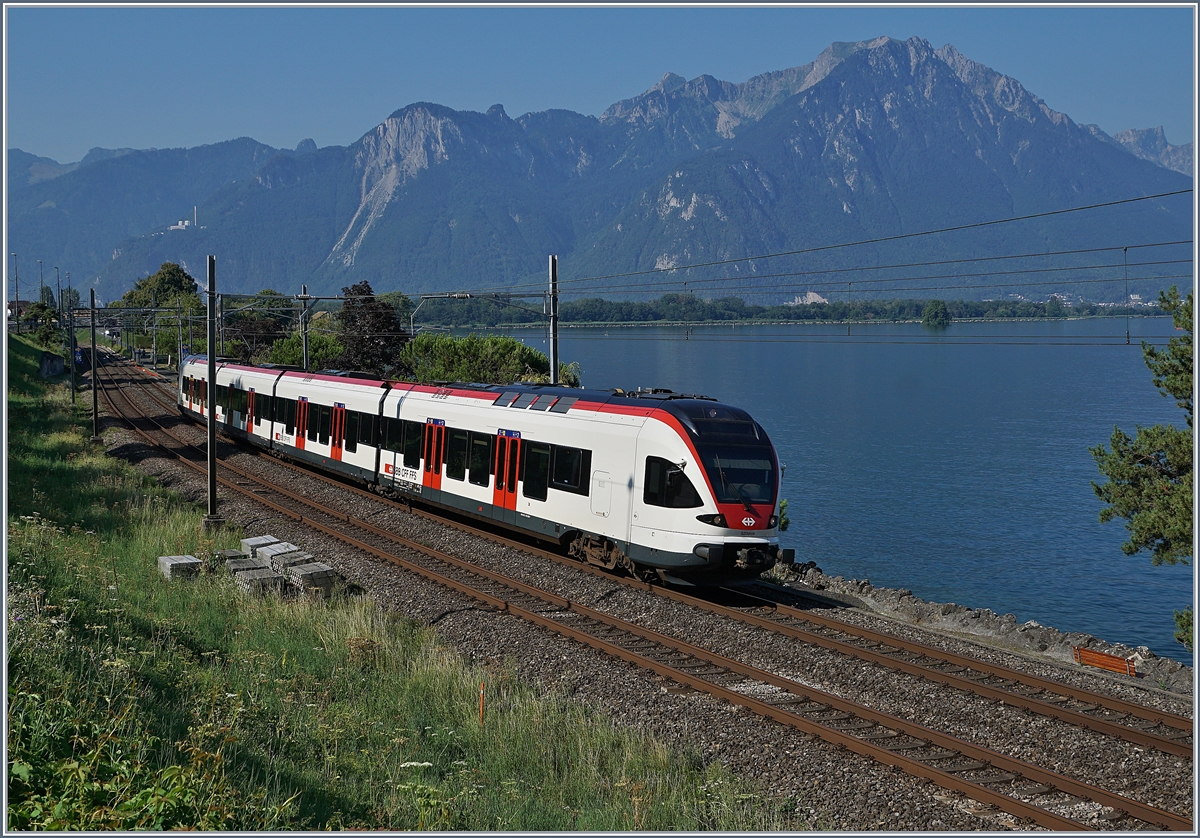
point(919, 461)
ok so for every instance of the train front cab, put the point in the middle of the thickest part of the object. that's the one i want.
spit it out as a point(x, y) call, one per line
point(704, 504)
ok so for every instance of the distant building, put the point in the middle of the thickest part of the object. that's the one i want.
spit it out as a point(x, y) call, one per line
point(184, 224)
point(807, 299)
point(18, 307)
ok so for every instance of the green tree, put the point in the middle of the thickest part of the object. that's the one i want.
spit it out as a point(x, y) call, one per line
point(162, 288)
point(936, 315)
point(254, 328)
point(47, 297)
point(323, 350)
point(494, 359)
point(400, 302)
point(370, 332)
point(1150, 476)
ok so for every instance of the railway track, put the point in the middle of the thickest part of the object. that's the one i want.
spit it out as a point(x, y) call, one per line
point(1022, 789)
point(1147, 727)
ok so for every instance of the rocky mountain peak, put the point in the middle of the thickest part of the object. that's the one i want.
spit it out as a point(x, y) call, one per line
point(1151, 144)
point(669, 83)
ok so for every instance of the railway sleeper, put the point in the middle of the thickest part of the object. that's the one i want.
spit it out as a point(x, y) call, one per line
point(856, 724)
point(903, 746)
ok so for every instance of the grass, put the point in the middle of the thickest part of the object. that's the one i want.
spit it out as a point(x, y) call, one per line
point(138, 703)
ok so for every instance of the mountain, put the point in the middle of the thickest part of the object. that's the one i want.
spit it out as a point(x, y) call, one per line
point(1151, 144)
point(79, 217)
point(870, 140)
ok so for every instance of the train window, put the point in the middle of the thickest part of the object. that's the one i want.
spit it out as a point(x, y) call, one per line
point(324, 415)
point(367, 429)
point(456, 455)
point(535, 469)
point(353, 417)
point(570, 468)
point(412, 444)
point(513, 445)
point(288, 415)
point(264, 408)
point(501, 456)
point(390, 433)
point(310, 420)
point(667, 485)
point(480, 458)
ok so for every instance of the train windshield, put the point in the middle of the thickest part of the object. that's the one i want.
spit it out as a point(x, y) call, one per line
point(742, 474)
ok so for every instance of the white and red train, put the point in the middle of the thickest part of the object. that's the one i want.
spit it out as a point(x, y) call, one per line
point(657, 483)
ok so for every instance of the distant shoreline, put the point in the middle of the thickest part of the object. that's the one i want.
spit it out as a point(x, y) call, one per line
point(733, 323)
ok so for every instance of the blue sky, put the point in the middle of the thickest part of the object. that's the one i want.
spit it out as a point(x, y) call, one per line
point(169, 77)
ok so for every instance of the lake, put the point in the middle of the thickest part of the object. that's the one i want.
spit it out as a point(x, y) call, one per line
point(954, 464)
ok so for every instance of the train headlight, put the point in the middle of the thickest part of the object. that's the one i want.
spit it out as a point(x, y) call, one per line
point(773, 522)
point(714, 520)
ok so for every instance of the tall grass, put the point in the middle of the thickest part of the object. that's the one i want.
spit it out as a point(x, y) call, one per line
point(135, 702)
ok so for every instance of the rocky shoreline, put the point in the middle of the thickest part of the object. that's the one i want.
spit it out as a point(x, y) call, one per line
point(984, 626)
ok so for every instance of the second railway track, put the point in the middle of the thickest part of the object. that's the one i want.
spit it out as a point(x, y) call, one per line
point(950, 762)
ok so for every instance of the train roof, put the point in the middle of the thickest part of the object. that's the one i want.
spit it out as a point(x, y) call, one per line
point(703, 416)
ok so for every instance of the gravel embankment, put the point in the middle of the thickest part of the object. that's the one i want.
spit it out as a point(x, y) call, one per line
point(836, 787)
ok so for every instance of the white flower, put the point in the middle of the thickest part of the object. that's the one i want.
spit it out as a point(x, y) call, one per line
point(416, 765)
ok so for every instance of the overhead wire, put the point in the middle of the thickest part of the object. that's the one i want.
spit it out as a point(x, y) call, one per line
point(860, 242)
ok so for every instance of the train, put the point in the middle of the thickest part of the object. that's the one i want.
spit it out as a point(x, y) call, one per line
point(668, 487)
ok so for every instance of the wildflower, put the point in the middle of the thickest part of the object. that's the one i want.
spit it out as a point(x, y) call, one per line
point(416, 765)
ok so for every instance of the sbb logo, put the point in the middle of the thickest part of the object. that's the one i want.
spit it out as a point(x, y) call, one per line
point(747, 522)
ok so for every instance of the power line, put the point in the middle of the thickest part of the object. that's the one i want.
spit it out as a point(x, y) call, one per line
point(865, 268)
point(879, 240)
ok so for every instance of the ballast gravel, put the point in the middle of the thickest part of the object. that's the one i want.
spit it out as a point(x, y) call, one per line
point(834, 788)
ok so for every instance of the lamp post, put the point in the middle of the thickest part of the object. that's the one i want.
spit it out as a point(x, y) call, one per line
point(41, 285)
point(58, 282)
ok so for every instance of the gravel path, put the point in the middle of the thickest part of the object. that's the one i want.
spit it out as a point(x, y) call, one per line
point(835, 787)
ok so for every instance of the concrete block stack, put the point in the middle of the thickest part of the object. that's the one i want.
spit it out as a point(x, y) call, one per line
point(261, 581)
point(179, 567)
point(313, 576)
point(250, 545)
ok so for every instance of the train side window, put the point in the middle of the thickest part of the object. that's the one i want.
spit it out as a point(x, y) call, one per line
point(480, 458)
point(456, 455)
point(353, 417)
point(324, 416)
point(367, 428)
point(263, 408)
point(389, 437)
point(667, 486)
point(570, 469)
point(535, 469)
point(310, 421)
point(412, 444)
point(289, 415)
point(513, 445)
point(501, 456)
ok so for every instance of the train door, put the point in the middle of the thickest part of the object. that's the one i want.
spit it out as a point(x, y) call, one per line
point(434, 448)
point(301, 421)
point(508, 446)
point(250, 415)
point(601, 493)
point(337, 433)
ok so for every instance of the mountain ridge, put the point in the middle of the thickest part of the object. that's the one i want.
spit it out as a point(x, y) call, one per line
point(870, 137)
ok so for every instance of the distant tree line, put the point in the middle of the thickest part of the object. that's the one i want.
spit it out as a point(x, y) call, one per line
point(689, 308)
point(364, 332)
